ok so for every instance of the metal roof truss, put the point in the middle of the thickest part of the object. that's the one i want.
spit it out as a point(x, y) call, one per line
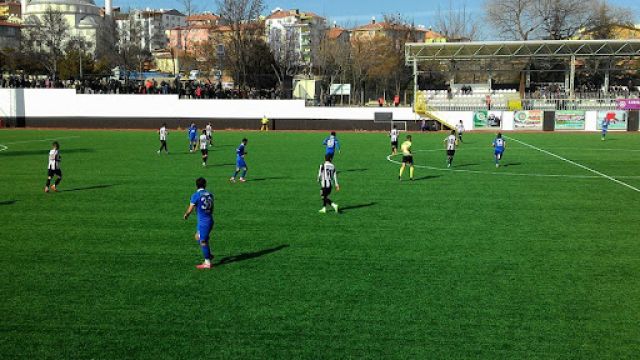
point(493, 50)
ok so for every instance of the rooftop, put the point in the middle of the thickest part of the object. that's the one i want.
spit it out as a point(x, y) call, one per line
point(203, 17)
point(281, 14)
point(335, 32)
point(492, 50)
point(374, 25)
point(9, 24)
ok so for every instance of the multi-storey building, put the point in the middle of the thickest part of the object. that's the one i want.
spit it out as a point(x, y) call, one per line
point(293, 34)
point(9, 34)
point(152, 25)
point(10, 11)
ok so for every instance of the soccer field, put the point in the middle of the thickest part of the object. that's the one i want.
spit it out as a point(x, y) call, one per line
point(537, 259)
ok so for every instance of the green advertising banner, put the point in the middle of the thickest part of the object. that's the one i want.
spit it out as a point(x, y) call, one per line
point(528, 120)
point(487, 119)
point(617, 119)
point(570, 120)
point(480, 119)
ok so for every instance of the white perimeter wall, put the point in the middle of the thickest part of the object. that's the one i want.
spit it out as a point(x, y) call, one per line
point(66, 103)
point(5, 103)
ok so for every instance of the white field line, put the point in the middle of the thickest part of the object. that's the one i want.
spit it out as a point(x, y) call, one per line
point(495, 172)
point(576, 164)
point(4, 147)
point(40, 140)
point(391, 160)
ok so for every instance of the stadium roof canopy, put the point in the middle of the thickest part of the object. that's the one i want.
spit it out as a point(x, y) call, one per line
point(493, 50)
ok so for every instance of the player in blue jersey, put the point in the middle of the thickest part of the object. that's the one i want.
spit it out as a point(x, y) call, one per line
point(606, 122)
point(332, 144)
point(241, 164)
point(202, 203)
point(193, 137)
point(499, 145)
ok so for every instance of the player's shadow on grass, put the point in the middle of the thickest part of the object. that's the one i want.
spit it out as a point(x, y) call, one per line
point(86, 188)
point(267, 178)
point(464, 165)
point(512, 164)
point(8, 202)
point(248, 256)
point(349, 208)
point(429, 177)
point(44, 153)
point(354, 170)
point(221, 165)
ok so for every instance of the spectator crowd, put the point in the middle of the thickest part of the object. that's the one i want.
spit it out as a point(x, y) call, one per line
point(190, 89)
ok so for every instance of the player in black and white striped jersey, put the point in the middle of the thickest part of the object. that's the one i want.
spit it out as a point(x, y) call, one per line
point(450, 143)
point(204, 149)
point(54, 168)
point(328, 178)
point(209, 130)
point(163, 132)
point(460, 131)
point(394, 134)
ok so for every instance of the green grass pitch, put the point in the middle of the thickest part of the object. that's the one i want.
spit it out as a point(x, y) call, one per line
point(537, 259)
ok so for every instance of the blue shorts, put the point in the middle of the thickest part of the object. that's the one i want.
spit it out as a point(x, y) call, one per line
point(193, 139)
point(499, 151)
point(204, 231)
point(240, 163)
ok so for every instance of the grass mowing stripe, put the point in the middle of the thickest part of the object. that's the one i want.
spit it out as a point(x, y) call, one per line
point(576, 164)
point(40, 140)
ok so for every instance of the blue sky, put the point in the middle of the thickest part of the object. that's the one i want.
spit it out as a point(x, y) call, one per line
point(347, 12)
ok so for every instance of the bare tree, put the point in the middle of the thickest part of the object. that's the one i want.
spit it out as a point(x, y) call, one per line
point(400, 32)
point(331, 59)
point(77, 60)
point(606, 19)
point(556, 19)
point(372, 61)
point(189, 8)
point(457, 23)
point(46, 37)
point(563, 19)
point(107, 42)
point(513, 19)
point(243, 18)
point(286, 53)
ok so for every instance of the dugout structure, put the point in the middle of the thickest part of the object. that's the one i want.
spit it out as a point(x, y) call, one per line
point(486, 54)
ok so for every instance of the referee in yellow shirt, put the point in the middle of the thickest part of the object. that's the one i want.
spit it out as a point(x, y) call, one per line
point(265, 124)
point(407, 158)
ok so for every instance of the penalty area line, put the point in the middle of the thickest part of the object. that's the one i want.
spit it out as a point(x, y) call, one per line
point(576, 164)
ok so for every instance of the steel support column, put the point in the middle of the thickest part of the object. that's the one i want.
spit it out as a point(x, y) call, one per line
point(572, 78)
point(415, 82)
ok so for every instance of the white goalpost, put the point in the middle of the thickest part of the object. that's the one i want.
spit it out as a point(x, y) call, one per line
point(400, 125)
